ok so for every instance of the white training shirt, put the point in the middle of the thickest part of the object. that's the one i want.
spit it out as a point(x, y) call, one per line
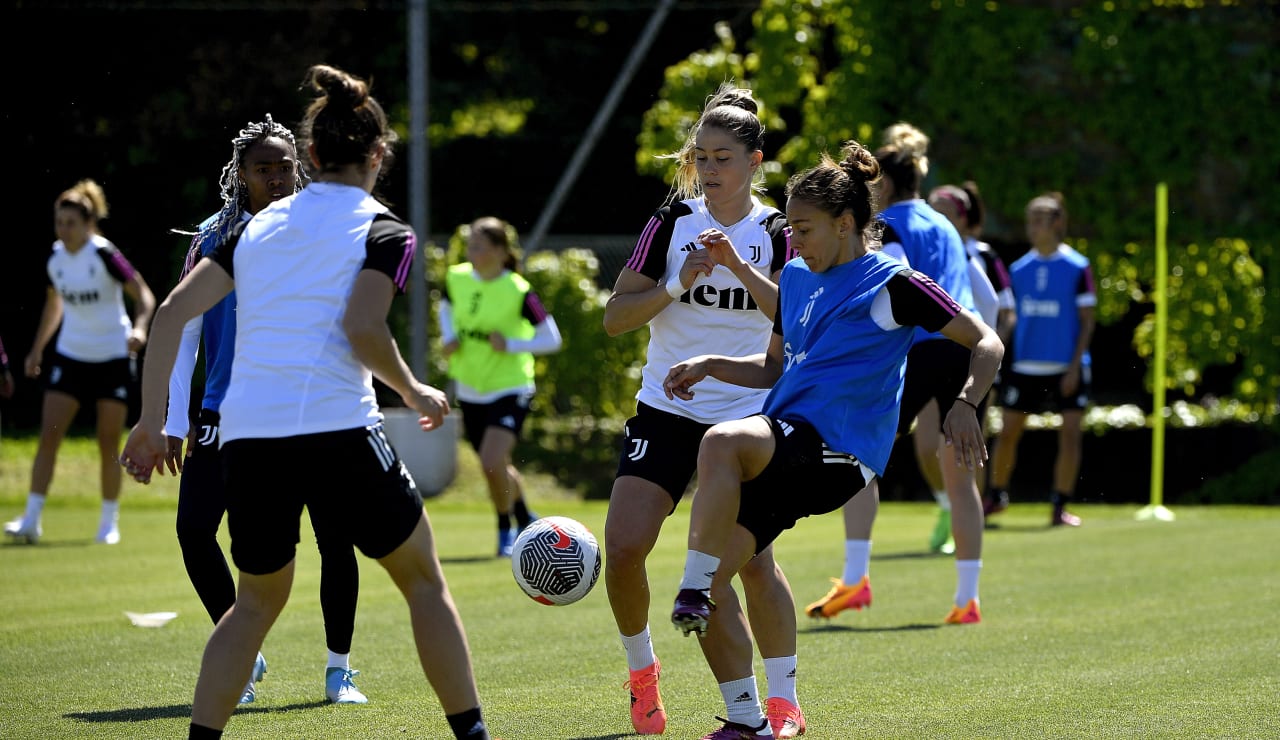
point(717, 315)
point(294, 265)
point(95, 325)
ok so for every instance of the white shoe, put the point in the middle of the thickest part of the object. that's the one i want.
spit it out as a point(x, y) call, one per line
point(21, 533)
point(259, 671)
point(339, 688)
point(108, 534)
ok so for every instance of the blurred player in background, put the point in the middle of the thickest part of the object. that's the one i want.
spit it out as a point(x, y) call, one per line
point(1050, 368)
point(492, 323)
point(94, 358)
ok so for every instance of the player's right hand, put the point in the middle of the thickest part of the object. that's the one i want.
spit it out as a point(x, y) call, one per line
point(144, 452)
point(430, 402)
point(681, 377)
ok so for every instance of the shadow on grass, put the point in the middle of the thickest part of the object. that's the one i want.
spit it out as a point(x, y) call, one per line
point(43, 543)
point(821, 628)
point(603, 737)
point(1021, 528)
point(173, 711)
point(468, 559)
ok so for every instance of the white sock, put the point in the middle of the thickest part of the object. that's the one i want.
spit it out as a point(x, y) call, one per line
point(35, 506)
point(639, 650)
point(699, 568)
point(781, 676)
point(110, 512)
point(742, 701)
point(967, 572)
point(857, 560)
point(339, 660)
point(944, 501)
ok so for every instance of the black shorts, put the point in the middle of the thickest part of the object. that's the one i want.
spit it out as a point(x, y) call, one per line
point(1037, 394)
point(352, 482)
point(803, 478)
point(936, 370)
point(508, 413)
point(88, 382)
point(662, 448)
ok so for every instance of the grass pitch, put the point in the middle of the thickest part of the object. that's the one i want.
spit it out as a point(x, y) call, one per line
point(1120, 628)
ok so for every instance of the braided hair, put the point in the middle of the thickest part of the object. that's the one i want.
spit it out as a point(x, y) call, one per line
point(235, 196)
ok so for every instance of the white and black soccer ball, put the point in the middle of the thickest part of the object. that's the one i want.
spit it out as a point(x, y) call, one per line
point(556, 560)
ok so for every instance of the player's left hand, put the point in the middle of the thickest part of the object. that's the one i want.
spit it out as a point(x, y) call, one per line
point(962, 431)
point(719, 247)
point(498, 342)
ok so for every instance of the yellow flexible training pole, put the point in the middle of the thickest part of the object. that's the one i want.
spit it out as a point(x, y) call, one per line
point(1156, 510)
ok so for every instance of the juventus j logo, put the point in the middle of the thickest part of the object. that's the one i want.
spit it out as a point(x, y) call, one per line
point(808, 309)
point(755, 253)
point(638, 448)
point(208, 433)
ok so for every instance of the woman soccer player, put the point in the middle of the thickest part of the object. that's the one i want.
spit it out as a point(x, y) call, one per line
point(93, 360)
point(846, 319)
point(314, 275)
point(702, 277)
point(263, 168)
point(492, 324)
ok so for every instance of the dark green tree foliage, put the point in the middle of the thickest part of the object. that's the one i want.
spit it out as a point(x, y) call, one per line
point(1098, 100)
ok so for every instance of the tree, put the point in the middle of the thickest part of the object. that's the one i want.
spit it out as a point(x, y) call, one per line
point(1098, 100)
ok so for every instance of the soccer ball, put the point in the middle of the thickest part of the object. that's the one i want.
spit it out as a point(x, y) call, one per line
point(556, 560)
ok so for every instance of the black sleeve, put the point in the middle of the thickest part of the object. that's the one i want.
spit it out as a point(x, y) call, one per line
point(1084, 285)
point(916, 300)
point(115, 263)
point(223, 254)
point(390, 248)
point(777, 317)
point(780, 234)
point(994, 267)
point(533, 311)
point(649, 258)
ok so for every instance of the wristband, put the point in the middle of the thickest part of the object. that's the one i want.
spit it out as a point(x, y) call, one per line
point(966, 401)
point(674, 288)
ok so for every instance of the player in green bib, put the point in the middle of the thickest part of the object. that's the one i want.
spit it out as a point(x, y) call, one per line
point(492, 324)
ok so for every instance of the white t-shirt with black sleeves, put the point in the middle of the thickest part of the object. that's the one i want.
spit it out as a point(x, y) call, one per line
point(717, 315)
point(294, 265)
point(95, 324)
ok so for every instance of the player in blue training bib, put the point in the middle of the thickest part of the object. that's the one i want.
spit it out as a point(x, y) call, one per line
point(846, 319)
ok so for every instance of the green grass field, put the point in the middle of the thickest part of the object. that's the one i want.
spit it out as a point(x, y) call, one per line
point(1119, 629)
